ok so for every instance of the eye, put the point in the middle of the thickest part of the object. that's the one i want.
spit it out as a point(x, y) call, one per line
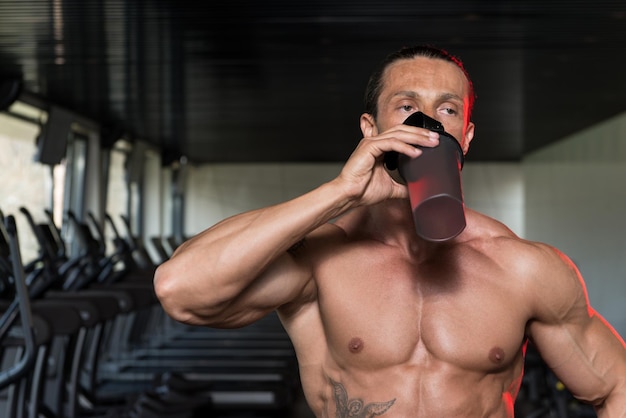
point(447, 110)
point(407, 108)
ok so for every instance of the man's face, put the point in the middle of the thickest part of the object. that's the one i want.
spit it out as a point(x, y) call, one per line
point(434, 87)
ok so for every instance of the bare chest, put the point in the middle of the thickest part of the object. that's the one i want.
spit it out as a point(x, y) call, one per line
point(384, 311)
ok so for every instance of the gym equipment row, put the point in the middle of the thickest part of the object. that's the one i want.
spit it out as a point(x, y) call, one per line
point(83, 335)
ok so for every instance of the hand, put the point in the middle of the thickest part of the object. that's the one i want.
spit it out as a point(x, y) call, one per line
point(364, 177)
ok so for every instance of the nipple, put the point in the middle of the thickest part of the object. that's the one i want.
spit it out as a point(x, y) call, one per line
point(496, 355)
point(355, 345)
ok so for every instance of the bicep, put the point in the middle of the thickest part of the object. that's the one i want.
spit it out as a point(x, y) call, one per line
point(584, 352)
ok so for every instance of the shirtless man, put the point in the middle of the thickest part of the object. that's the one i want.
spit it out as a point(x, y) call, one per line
point(384, 323)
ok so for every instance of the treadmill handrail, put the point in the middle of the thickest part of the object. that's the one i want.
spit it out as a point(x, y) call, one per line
point(21, 368)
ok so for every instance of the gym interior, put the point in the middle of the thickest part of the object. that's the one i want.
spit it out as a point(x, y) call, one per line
point(127, 127)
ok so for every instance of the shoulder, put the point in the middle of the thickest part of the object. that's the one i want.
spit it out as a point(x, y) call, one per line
point(548, 279)
point(542, 270)
point(533, 256)
point(488, 232)
point(482, 226)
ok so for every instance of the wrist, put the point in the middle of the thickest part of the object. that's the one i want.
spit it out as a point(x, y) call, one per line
point(344, 196)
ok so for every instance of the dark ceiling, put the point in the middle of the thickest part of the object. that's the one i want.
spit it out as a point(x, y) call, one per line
point(279, 80)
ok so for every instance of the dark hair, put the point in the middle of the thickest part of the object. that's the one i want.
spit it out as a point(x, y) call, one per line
point(375, 83)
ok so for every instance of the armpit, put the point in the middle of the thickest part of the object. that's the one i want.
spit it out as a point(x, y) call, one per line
point(297, 247)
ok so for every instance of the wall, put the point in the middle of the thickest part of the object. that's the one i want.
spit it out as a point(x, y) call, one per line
point(576, 201)
point(224, 190)
point(497, 190)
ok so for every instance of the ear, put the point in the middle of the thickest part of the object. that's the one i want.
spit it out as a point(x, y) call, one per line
point(467, 137)
point(368, 125)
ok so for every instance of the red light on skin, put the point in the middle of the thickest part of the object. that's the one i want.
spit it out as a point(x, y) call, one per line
point(590, 311)
point(509, 403)
point(609, 326)
point(509, 397)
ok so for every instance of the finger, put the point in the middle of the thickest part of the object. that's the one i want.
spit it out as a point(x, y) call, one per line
point(378, 146)
point(412, 135)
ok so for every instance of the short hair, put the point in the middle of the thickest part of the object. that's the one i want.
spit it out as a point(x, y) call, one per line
point(375, 83)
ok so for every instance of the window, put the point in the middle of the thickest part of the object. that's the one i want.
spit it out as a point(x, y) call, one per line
point(25, 182)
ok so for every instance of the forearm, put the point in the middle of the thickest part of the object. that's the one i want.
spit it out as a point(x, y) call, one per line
point(219, 263)
point(614, 405)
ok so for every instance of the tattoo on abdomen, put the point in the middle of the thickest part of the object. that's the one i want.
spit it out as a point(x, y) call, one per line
point(355, 408)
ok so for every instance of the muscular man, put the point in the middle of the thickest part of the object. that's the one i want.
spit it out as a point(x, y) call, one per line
point(383, 322)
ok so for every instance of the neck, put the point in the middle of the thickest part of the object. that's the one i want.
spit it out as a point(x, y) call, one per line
point(391, 221)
